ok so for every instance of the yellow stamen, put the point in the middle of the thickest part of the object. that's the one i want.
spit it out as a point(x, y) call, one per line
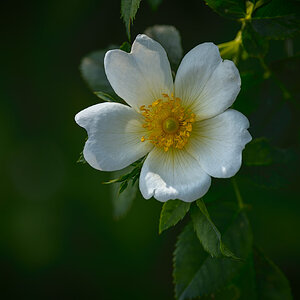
point(167, 122)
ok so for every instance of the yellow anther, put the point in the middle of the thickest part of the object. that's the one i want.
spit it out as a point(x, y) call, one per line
point(167, 122)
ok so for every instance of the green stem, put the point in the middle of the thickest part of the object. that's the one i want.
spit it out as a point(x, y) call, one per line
point(238, 194)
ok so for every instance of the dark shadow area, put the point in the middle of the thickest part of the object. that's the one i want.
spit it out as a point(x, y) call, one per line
point(58, 238)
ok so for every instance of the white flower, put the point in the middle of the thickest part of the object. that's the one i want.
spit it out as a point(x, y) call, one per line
point(184, 127)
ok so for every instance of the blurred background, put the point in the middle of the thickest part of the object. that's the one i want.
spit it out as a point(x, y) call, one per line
point(58, 237)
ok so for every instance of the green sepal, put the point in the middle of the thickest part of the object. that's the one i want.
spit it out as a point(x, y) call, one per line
point(123, 186)
point(132, 175)
point(105, 97)
point(81, 159)
point(126, 47)
point(232, 49)
point(136, 170)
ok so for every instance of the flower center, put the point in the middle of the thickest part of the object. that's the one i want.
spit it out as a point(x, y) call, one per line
point(168, 123)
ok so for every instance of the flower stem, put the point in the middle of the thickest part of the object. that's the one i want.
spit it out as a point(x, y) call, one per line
point(238, 194)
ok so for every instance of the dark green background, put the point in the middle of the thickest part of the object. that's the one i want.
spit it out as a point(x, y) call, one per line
point(58, 238)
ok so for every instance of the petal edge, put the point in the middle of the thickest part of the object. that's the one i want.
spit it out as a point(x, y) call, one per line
point(173, 175)
point(141, 76)
point(114, 133)
point(217, 143)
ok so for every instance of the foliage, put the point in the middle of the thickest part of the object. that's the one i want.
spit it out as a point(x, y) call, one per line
point(130, 177)
point(129, 9)
point(196, 273)
point(259, 278)
point(207, 232)
point(122, 200)
point(258, 152)
point(269, 280)
point(172, 212)
point(253, 43)
point(234, 9)
point(277, 19)
point(215, 257)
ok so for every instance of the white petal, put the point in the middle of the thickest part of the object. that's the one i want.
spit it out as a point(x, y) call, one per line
point(173, 175)
point(114, 136)
point(142, 76)
point(205, 83)
point(194, 71)
point(217, 143)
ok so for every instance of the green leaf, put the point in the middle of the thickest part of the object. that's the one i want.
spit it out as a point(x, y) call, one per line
point(258, 152)
point(154, 4)
point(207, 232)
point(241, 287)
point(260, 278)
point(271, 284)
point(277, 19)
point(234, 9)
point(196, 273)
point(122, 202)
point(129, 9)
point(169, 37)
point(254, 44)
point(172, 212)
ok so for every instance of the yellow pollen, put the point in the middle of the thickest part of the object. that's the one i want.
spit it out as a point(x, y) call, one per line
point(168, 124)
